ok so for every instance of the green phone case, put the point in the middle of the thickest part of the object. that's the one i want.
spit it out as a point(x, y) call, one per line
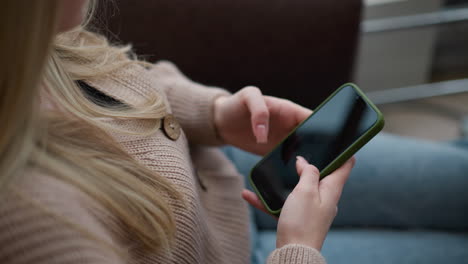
point(347, 154)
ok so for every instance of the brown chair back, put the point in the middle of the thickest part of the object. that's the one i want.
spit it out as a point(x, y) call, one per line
point(298, 49)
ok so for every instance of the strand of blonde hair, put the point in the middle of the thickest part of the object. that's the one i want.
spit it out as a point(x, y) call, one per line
point(70, 141)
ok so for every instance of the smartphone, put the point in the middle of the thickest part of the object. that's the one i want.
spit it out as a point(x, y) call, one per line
point(331, 135)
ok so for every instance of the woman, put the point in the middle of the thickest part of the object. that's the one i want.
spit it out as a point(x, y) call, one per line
point(95, 167)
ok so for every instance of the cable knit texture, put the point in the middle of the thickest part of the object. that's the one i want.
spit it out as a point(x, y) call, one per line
point(213, 228)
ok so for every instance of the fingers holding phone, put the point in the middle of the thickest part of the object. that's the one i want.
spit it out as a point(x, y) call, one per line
point(311, 207)
point(337, 129)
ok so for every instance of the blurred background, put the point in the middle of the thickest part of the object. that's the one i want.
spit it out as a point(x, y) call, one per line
point(413, 59)
point(409, 56)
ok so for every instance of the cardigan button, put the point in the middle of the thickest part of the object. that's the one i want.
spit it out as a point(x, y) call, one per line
point(171, 127)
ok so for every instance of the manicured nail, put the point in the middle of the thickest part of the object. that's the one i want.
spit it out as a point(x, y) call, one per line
point(262, 135)
point(301, 160)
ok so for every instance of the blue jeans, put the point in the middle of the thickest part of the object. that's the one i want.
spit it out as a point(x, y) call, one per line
point(406, 201)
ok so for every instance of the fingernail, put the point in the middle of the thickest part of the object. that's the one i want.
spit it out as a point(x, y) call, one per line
point(262, 134)
point(301, 160)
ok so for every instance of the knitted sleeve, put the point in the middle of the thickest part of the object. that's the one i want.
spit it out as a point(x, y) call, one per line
point(191, 103)
point(51, 227)
point(295, 254)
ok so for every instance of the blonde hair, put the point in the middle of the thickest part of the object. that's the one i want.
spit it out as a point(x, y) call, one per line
point(71, 142)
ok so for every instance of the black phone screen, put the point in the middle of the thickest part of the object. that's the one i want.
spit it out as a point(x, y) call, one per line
point(326, 134)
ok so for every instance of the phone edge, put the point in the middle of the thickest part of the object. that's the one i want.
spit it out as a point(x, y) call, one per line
point(355, 147)
point(361, 141)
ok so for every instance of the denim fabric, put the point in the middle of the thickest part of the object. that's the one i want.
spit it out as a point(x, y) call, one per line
point(397, 183)
point(382, 246)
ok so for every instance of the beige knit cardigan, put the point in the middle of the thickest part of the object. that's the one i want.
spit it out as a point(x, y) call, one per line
point(213, 228)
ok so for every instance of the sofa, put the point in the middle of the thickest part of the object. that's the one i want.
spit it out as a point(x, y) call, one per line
point(295, 49)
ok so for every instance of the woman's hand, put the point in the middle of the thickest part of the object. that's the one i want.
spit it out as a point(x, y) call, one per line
point(256, 123)
point(311, 207)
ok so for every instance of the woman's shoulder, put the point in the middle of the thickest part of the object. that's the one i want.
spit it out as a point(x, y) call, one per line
point(45, 218)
